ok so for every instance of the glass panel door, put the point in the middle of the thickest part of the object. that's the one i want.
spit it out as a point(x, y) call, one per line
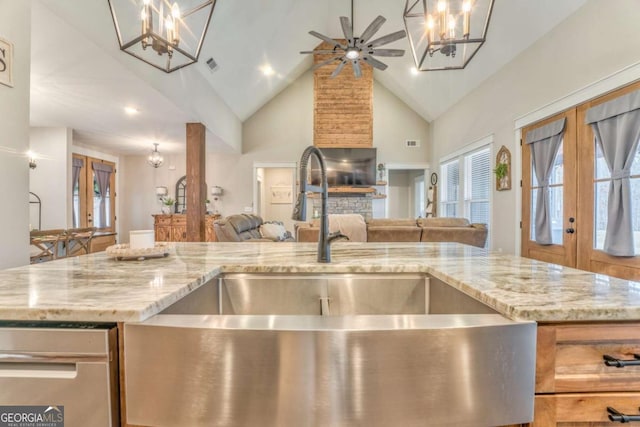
point(562, 198)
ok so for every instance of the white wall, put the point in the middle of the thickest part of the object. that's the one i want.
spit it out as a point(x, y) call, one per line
point(15, 26)
point(398, 194)
point(598, 40)
point(49, 179)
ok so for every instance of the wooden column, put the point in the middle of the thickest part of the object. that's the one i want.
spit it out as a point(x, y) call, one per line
point(196, 187)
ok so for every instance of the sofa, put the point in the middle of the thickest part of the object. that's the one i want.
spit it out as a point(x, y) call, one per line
point(250, 228)
point(410, 230)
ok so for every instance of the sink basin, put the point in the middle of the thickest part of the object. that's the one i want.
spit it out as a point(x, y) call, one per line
point(329, 350)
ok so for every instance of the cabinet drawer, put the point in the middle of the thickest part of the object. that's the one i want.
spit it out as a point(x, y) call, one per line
point(570, 358)
point(179, 220)
point(163, 219)
point(583, 409)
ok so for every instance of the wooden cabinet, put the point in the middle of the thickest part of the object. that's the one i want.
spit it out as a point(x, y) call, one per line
point(574, 386)
point(173, 228)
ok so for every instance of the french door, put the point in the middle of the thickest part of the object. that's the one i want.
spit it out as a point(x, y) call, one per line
point(92, 208)
point(578, 198)
point(562, 190)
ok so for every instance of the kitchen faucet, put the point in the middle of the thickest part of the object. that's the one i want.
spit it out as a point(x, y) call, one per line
point(300, 209)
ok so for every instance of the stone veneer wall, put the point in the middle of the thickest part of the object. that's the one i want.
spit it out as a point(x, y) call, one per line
point(360, 204)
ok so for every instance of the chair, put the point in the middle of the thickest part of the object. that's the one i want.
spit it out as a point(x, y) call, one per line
point(78, 241)
point(46, 244)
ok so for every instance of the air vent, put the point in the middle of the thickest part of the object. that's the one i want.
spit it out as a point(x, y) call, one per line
point(212, 64)
point(412, 143)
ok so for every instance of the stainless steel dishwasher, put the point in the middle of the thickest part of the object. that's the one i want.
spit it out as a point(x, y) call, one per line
point(334, 350)
point(70, 366)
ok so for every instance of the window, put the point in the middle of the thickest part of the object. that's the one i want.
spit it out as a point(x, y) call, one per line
point(478, 185)
point(450, 188)
point(466, 186)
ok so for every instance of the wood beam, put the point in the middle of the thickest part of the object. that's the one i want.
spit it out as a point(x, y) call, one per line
point(196, 187)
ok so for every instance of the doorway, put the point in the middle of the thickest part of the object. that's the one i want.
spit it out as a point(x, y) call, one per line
point(405, 191)
point(274, 191)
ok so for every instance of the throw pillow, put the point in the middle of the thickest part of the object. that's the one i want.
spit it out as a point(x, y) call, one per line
point(273, 231)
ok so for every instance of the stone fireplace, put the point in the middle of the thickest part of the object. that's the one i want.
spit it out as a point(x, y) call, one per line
point(346, 204)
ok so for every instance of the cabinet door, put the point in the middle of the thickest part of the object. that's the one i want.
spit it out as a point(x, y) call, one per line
point(179, 233)
point(163, 233)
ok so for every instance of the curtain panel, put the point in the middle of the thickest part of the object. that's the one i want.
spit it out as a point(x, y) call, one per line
point(76, 166)
point(545, 142)
point(616, 127)
point(103, 174)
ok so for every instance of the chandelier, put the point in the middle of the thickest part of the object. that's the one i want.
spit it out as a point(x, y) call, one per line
point(165, 35)
point(155, 159)
point(446, 34)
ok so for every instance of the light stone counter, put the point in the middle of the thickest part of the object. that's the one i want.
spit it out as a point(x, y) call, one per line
point(96, 288)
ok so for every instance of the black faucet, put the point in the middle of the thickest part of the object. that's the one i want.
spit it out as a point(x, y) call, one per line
point(300, 209)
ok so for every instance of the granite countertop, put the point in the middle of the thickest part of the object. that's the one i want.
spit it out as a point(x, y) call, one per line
point(96, 288)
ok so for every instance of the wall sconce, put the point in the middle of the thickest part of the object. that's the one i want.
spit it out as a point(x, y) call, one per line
point(161, 193)
point(216, 192)
point(32, 159)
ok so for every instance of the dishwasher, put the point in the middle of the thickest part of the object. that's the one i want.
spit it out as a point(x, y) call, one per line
point(68, 368)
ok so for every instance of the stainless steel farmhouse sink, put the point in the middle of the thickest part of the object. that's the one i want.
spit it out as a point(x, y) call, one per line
point(329, 350)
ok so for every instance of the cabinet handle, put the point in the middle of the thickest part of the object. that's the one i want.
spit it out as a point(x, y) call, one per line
point(618, 417)
point(618, 363)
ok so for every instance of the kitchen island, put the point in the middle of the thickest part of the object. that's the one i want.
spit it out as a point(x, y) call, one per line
point(580, 315)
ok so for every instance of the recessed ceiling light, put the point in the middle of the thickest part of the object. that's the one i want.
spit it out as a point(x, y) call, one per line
point(414, 71)
point(267, 70)
point(131, 110)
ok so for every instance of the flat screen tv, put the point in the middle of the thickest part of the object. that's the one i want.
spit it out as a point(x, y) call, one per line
point(353, 167)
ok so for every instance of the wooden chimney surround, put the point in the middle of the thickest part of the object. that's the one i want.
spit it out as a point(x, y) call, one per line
point(342, 106)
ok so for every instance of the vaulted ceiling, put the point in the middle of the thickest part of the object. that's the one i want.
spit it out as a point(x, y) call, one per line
point(80, 78)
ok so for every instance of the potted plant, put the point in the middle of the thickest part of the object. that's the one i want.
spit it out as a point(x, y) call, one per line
point(501, 170)
point(167, 202)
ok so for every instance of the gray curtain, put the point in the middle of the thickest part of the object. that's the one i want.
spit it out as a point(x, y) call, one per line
point(545, 142)
point(616, 126)
point(75, 168)
point(103, 174)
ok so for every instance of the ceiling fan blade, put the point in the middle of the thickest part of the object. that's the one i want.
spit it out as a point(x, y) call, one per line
point(357, 71)
point(387, 52)
point(338, 69)
point(374, 62)
point(321, 52)
point(346, 29)
point(387, 39)
point(372, 28)
point(320, 64)
point(327, 39)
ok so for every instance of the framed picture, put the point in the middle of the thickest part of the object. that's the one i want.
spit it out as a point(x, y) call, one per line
point(6, 62)
point(281, 194)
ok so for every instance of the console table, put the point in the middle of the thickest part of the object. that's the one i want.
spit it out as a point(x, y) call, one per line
point(173, 228)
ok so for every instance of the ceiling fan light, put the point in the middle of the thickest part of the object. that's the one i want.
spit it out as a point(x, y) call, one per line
point(352, 53)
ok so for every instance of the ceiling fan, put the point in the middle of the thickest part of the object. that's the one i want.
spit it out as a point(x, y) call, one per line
point(357, 50)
